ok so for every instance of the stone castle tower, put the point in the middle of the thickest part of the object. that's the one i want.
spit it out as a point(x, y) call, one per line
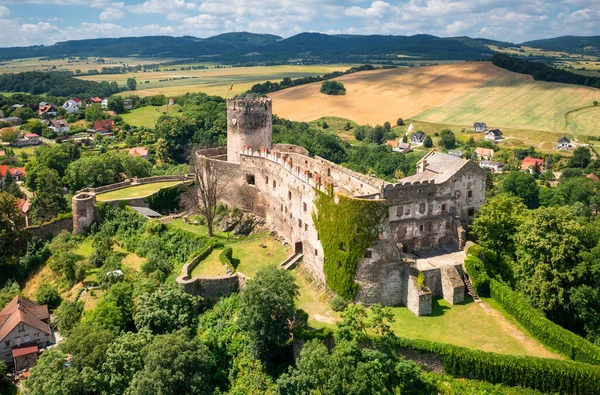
point(249, 122)
point(84, 212)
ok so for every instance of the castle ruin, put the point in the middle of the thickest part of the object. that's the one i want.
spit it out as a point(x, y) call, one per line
point(425, 211)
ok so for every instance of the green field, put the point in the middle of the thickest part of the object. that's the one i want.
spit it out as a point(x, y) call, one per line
point(134, 192)
point(91, 63)
point(147, 116)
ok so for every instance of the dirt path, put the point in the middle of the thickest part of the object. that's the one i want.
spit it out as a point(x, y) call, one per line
point(531, 345)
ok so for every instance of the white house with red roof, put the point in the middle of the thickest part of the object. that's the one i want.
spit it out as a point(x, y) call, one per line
point(23, 328)
point(72, 105)
point(529, 164)
point(93, 100)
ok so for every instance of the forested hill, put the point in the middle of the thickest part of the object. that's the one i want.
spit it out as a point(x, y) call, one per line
point(572, 44)
point(54, 84)
point(248, 47)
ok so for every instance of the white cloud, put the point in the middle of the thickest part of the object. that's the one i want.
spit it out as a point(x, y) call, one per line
point(4, 11)
point(160, 6)
point(112, 13)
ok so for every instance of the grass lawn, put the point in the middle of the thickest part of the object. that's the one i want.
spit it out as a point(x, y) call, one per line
point(30, 150)
point(210, 267)
point(137, 191)
point(468, 325)
point(252, 257)
point(314, 302)
point(133, 261)
point(200, 230)
point(147, 116)
point(85, 249)
point(336, 125)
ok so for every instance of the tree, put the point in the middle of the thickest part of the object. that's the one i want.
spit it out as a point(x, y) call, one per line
point(124, 358)
point(48, 200)
point(9, 185)
point(324, 125)
point(400, 122)
point(65, 263)
point(175, 363)
point(25, 113)
point(52, 376)
point(93, 171)
point(9, 135)
point(596, 103)
point(48, 294)
point(268, 311)
point(447, 139)
point(428, 142)
point(522, 185)
point(360, 133)
point(131, 84)
point(387, 126)
point(168, 309)
point(211, 182)
point(335, 88)
point(94, 113)
point(116, 104)
point(581, 158)
point(35, 126)
point(68, 316)
point(548, 242)
point(497, 222)
point(87, 344)
point(107, 315)
point(375, 135)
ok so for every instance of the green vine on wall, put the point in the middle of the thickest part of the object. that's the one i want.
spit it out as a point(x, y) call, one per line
point(346, 229)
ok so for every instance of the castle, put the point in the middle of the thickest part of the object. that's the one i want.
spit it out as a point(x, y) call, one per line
point(424, 211)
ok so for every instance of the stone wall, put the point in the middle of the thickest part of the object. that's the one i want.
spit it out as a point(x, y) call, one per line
point(418, 300)
point(51, 228)
point(139, 181)
point(452, 285)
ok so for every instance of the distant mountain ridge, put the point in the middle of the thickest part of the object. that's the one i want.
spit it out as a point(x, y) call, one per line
point(249, 47)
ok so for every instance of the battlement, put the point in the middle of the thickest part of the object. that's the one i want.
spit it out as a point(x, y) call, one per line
point(249, 122)
point(249, 104)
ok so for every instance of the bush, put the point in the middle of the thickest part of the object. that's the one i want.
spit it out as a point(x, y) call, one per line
point(547, 332)
point(476, 271)
point(333, 88)
point(542, 374)
point(48, 294)
point(226, 258)
point(338, 303)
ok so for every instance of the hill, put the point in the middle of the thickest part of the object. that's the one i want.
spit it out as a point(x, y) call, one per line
point(249, 47)
point(572, 44)
point(54, 84)
point(454, 94)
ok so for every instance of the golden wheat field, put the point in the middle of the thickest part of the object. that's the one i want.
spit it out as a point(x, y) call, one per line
point(456, 94)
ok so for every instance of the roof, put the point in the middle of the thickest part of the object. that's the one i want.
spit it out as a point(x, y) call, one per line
point(564, 139)
point(20, 310)
point(495, 132)
point(59, 123)
point(490, 163)
point(19, 352)
point(104, 124)
point(484, 151)
point(45, 108)
point(24, 205)
point(139, 151)
point(95, 99)
point(145, 211)
point(14, 171)
point(2, 152)
point(30, 135)
point(593, 177)
point(531, 162)
point(391, 143)
point(76, 99)
point(437, 166)
point(418, 134)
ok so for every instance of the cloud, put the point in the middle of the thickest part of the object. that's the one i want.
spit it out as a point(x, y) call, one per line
point(4, 12)
point(160, 6)
point(112, 13)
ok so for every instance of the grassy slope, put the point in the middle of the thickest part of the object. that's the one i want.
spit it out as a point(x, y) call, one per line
point(147, 116)
point(135, 191)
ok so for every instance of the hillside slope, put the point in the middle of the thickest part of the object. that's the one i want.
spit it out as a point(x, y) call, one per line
point(572, 44)
point(456, 94)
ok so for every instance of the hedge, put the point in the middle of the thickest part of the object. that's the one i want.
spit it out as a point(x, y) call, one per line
point(546, 375)
point(476, 270)
point(547, 332)
point(225, 257)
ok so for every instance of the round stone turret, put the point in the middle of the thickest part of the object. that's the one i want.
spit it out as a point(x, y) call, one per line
point(249, 123)
point(84, 212)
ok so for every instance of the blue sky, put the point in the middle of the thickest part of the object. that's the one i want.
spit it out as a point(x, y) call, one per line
point(32, 22)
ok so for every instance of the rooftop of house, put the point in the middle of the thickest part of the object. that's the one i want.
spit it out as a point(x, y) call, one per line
point(593, 177)
point(31, 135)
point(59, 123)
point(436, 166)
point(495, 132)
point(564, 139)
point(24, 205)
point(104, 124)
point(76, 99)
point(392, 143)
point(14, 171)
point(20, 310)
point(531, 162)
point(484, 151)
point(490, 163)
point(95, 99)
point(417, 134)
point(138, 151)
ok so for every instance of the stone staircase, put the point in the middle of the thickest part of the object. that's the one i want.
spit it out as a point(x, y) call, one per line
point(291, 262)
point(469, 286)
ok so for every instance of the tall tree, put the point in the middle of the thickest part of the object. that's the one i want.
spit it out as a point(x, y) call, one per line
point(581, 158)
point(131, 84)
point(211, 181)
point(522, 185)
point(48, 200)
point(10, 236)
point(116, 104)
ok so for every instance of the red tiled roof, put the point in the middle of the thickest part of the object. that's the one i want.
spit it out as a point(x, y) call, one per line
point(95, 99)
point(17, 171)
point(19, 352)
point(24, 205)
point(531, 162)
point(3, 170)
point(593, 177)
point(45, 109)
point(104, 124)
point(392, 143)
point(76, 99)
point(31, 135)
point(20, 310)
point(138, 151)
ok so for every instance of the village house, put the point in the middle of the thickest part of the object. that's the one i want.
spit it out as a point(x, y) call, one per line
point(494, 167)
point(23, 330)
point(479, 127)
point(27, 139)
point(417, 138)
point(59, 126)
point(104, 103)
point(128, 104)
point(47, 110)
point(16, 172)
point(456, 153)
point(16, 107)
point(12, 121)
point(72, 105)
point(24, 206)
point(104, 127)
point(93, 100)
point(399, 146)
point(593, 177)
point(563, 143)
point(494, 135)
point(171, 101)
point(142, 152)
point(484, 153)
point(529, 164)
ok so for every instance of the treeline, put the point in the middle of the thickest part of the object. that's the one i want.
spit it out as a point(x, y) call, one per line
point(542, 72)
point(267, 87)
point(55, 84)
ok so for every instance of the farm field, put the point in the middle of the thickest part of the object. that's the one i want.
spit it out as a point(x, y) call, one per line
point(212, 81)
point(86, 64)
point(454, 94)
point(147, 116)
point(137, 191)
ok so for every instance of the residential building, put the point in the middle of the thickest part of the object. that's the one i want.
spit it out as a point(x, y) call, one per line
point(23, 325)
point(128, 104)
point(593, 177)
point(171, 101)
point(12, 121)
point(72, 105)
point(93, 100)
point(47, 110)
point(494, 167)
point(104, 103)
point(456, 153)
point(59, 126)
point(417, 138)
point(563, 143)
point(104, 126)
point(27, 139)
point(494, 135)
point(24, 206)
point(16, 172)
point(479, 127)
point(142, 152)
point(484, 153)
point(529, 164)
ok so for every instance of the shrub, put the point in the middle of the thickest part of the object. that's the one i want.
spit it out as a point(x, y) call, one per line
point(333, 88)
point(48, 294)
point(547, 332)
point(476, 271)
point(226, 258)
point(338, 303)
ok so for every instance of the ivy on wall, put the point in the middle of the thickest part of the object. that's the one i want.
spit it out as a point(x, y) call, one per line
point(346, 229)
